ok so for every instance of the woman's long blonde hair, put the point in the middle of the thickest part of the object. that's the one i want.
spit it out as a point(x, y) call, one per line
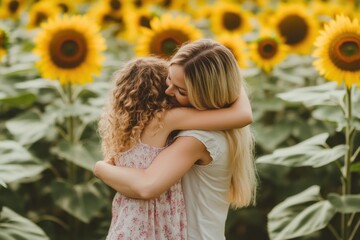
point(213, 80)
point(138, 95)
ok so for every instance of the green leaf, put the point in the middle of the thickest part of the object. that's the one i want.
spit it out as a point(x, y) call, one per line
point(80, 154)
point(308, 153)
point(345, 204)
point(82, 201)
point(28, 127)
point(272, 104)
point(331, 114)
point(299, 215)
point(20, 68)
point(16, 163)
point(23, 99)
point(15, 227)
point(2, 183)
point(35, 84)
point(325, 94)
point(355, 167)
point(269, 137)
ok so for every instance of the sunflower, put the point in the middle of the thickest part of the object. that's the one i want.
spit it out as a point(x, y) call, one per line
point(296, 26)
point(338, 51)
point(237, 46)
point(40, 12)
point(138, 18)
point(229, 18)
point(69, 49)
point(4, 43)
point(105, 15)
point(268, 50)
point(115, 5)
point(11, 8)
point(140, 3)
point(166, 35)
point(66, 6)
point(172, 4)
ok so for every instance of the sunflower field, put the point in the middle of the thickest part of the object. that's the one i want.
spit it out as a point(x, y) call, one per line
point(300, 59)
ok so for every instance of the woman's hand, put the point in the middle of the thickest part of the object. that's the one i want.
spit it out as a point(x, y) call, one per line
point(99, 167)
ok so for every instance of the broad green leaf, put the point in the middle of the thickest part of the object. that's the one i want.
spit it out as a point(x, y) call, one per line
point(28, 127)
point(272, 104)
point(299, 215)
point(80, 154)
point(271, 136)
point(82, 201)
point(330, 114)
point(35, 84)
point(60, 111)
point(15, 227)
point(16, 163)
point(288, 77)
point(307, 153)
point(23, 99)
point(355, 167)
point(250, 72)
point(20, 68)
point(325, 94)
point(2, 183)
point(345, 204)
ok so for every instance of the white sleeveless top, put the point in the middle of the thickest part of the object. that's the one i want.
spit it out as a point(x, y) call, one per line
point(206, 188)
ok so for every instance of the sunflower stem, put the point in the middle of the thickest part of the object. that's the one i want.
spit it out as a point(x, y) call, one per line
point(352, 235)
point(346, 188)
point(70, 131)
point(333, 231)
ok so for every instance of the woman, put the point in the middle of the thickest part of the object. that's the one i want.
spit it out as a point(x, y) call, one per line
point(216, 167)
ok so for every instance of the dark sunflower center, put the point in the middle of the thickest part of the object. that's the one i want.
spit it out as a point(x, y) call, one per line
point(168, 46)
point(115, 4)
point(166, 3)
point(64, 8)
point(294, 28)
point(267, 48)
point(14, 6)
point(2, 40)
point(231, 21)
point(39, 18)
point(166, 43)
point(344, 52)
point(68, 49)
point(145, 21)
point(138, 3)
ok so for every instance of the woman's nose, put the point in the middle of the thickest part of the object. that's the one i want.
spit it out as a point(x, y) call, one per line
point(170, 90)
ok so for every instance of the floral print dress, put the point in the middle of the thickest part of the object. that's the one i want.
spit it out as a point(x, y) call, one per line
point(162, 218)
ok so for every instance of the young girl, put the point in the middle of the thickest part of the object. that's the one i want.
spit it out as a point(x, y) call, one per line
point(134, 129)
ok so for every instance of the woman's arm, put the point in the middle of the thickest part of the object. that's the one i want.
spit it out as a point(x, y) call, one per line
point(238, 115)
point(167, 169)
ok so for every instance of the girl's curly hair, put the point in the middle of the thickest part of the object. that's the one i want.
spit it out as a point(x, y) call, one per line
point(136, 98)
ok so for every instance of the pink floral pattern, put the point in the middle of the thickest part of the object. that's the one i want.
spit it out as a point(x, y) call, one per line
point(162, 218)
